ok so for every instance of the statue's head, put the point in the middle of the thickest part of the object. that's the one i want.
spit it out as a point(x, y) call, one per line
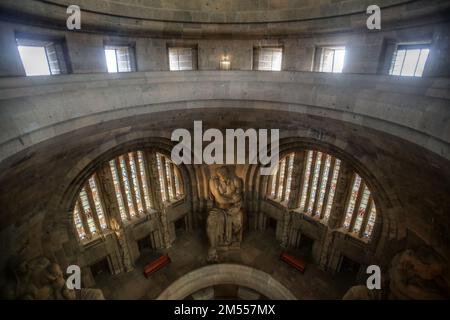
point(223, 173)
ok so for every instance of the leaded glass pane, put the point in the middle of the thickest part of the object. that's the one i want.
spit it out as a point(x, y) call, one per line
point(116, 182)
point(134, 177)
point(281, 178)
point(323, 184)
point(315, 179)
point(370, 221)
point(334, 181)
point(352, 201)
point(289, 177)
point(306, 179)
point(127, 187)
point(78, 222)
point(362, 209)
point(161, 177)
point(97, 202)
point(169, 179)
point(87, 211)
point(144, 179)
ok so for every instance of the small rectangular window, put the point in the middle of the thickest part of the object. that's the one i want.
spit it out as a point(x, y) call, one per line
point(119, 59)
point(331, 59)
point(409, 60)
point(182, 58)
point(42, 57)
point(268, 59)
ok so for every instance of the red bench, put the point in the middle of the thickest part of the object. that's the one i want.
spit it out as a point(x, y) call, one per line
point(156, 265)
point(294, 262)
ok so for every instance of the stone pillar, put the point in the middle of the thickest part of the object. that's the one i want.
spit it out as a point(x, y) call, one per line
point(286, 227)
point(163, 227)
point(112, 215)
point(336, 216)
point(297, 174)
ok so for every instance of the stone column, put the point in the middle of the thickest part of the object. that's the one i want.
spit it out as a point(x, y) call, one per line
point(336, 216)
point(163, 228)
point(112, 215)
point(290, 236)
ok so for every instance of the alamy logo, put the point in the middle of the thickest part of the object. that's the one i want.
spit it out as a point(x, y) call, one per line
point(374, 20)
point(74, 279)
point(231, 151)
point(74, 20)
point(374, 280)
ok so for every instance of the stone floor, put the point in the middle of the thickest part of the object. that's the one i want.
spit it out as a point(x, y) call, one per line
point(259, 250)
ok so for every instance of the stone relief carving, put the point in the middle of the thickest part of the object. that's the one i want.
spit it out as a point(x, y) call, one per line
point(40, 279)
point(224, 222)
point(414, 274)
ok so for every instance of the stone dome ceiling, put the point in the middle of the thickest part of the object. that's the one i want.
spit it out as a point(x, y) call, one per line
point(227, 11)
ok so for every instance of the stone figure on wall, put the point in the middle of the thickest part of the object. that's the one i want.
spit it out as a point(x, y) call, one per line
point(224, 222)
point(40, 279)
point(418, 275)
point(414, 275)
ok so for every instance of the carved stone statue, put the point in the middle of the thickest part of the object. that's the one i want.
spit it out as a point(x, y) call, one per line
point(224, 222)
point(40, 279)
point(414, 275)
point(418, 274)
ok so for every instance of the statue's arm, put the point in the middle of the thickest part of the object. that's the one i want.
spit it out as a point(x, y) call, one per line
point(217, 195)
point(239, 188)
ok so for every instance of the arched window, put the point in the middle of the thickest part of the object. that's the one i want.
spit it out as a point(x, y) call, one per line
point(169, 179)
point(88, 213)
point(131, 184)
point(281, 179)
point(317, 188)
point(318, 184)
point(360, 212)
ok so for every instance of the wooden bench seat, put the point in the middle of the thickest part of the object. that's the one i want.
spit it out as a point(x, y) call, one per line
point(294, 262)
point(156, 265)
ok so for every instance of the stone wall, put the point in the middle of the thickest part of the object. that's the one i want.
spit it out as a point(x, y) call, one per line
point(367, 52)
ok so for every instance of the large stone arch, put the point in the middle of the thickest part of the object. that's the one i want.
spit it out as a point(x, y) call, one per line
point(63, 202)
point(226, 273)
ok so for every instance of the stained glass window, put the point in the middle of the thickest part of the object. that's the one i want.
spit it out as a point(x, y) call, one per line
point(178, 187)
point(319, 180)
point(97, 202)
point(141, 162)
point(116, 182)
point(169, 178)
point(371, 221)
point(281, 179)
point(126, 184)
point(306, 175)
point(315, 180)
point(169, 181)
point(135, 182)
point(129, 173)
point(332, 189)
point(323, 185)
point(161, 176)
point(78, 222)
point(360, 209)
point(88, 211)
point(289, 176)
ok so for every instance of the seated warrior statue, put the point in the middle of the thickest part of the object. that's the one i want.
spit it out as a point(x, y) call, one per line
point(224, 222)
